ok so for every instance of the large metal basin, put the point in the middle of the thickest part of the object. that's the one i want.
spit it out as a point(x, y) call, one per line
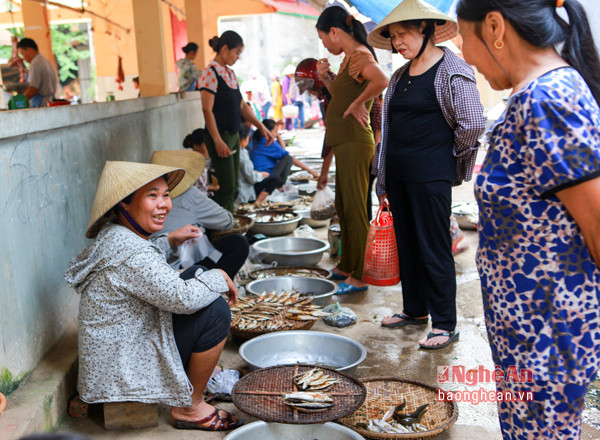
point(321, 289)
point(276, 228)
point(290, 251)
point(279, 431)
point(303, 347)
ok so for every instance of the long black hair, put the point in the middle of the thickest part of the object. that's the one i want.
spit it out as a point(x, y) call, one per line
point(230, 39)
point(538, 23)
point(338, 17)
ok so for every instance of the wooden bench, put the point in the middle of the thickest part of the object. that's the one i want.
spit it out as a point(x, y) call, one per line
point(120, 415)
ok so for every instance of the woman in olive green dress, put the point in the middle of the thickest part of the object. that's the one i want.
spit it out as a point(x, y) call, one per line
point(359, 80)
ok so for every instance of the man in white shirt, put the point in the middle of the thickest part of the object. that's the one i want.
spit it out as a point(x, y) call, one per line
point(43, 80)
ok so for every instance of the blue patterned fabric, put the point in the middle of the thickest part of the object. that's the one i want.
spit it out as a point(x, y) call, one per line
point(541, 287)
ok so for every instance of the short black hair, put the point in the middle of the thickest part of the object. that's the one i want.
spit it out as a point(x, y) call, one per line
point(27, 43)
point(244, 131)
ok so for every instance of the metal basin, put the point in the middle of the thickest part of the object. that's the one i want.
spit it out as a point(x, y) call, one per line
point(319, 288)
point(279, 431)
point(306, 220)
point(290, 251)
point(303, 347)
point(275, 229)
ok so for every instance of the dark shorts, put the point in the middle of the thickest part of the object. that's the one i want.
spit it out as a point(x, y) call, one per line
point(201, 330)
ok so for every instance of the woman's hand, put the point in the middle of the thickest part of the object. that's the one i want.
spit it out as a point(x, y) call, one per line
point(181, 235)
point(233, 293)
point(222, 148)
point(323, 68)
point(266, 133)
point(360, 113)
point(322, 180)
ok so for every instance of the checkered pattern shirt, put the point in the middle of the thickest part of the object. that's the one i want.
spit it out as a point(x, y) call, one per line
point(459, 99)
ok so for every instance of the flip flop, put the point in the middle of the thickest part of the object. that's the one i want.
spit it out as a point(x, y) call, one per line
point(345, 288)
point(452, 337)
point(337, 276)
point(406, 320)
point(227, 422)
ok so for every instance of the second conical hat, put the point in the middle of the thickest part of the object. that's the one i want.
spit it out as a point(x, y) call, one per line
point(191, 161)
point(414, 10)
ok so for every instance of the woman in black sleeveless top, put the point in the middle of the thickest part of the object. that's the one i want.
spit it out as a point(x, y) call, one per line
point(223, 108)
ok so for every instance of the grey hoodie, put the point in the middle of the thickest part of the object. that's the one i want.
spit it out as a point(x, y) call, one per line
point(127, 351)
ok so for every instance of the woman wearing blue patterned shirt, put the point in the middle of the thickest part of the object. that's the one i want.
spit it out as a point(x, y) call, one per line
point(539, 202)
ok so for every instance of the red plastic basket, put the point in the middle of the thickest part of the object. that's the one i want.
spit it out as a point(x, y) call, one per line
point(381, 266)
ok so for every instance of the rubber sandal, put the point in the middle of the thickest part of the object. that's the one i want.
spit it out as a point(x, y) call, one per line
point(226, 423)
point(344, 289)
point(452, 337)
point(405, 320)
point(337, 276)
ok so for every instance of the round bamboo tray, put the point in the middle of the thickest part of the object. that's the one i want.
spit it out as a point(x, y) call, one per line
point(259, 394)
point(249, 334)
point(385, 392)
point(245, 223)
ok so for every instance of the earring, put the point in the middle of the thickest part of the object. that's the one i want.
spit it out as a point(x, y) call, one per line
point(498, 44)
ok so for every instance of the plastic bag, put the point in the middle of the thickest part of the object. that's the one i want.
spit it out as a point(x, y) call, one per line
point(223, 382)
point(323, 205)
point(189, 253)
point(340, 316)
point(304, 231)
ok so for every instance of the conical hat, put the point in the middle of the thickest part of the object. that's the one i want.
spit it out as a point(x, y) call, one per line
point(120, 179)
point(191, 161)
point(288, 70)
point(414, 10)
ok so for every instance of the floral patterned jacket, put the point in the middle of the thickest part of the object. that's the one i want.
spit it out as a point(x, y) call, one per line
point(127, 350)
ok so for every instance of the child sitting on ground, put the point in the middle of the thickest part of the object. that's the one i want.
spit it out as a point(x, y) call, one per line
point(253, 182)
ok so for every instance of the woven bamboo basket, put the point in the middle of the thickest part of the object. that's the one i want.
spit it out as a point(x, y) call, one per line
point(249, 334)
point(245, 223)
point(385, 392)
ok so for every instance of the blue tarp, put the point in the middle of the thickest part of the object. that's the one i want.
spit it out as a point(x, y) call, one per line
point(377, 10)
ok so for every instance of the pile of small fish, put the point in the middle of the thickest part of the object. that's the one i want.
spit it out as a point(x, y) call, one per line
point(395, 422)
point(272, 311)
point(314, 380)
point(308, 401)
point(274, 218)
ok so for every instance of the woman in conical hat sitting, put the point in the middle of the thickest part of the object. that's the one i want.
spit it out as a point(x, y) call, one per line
point(141, 325)
point(432, 119)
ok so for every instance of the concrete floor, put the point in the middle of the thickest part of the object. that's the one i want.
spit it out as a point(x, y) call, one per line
point(391, 352)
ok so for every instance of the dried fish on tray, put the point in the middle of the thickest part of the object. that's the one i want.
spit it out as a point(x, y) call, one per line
point(274, 217)
point(273, 312)
point(395, 422)
point(314, 380)
point(308, 401)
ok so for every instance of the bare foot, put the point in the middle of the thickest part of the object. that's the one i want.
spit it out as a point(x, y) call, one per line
point(355, 282)
point(197, 411)
point(438, 340)
point(394, 319)
point(340, 272)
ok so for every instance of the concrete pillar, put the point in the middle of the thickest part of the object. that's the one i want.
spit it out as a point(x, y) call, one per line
point(150, 42)
point(37, 27)
point(202, 24)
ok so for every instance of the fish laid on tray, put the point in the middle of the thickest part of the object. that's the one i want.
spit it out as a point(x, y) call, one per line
point(395, 422)
point(314, 380)
point(308, 401)
point(274, 311)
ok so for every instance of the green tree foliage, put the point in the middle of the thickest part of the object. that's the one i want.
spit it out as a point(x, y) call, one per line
point(67, 42)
